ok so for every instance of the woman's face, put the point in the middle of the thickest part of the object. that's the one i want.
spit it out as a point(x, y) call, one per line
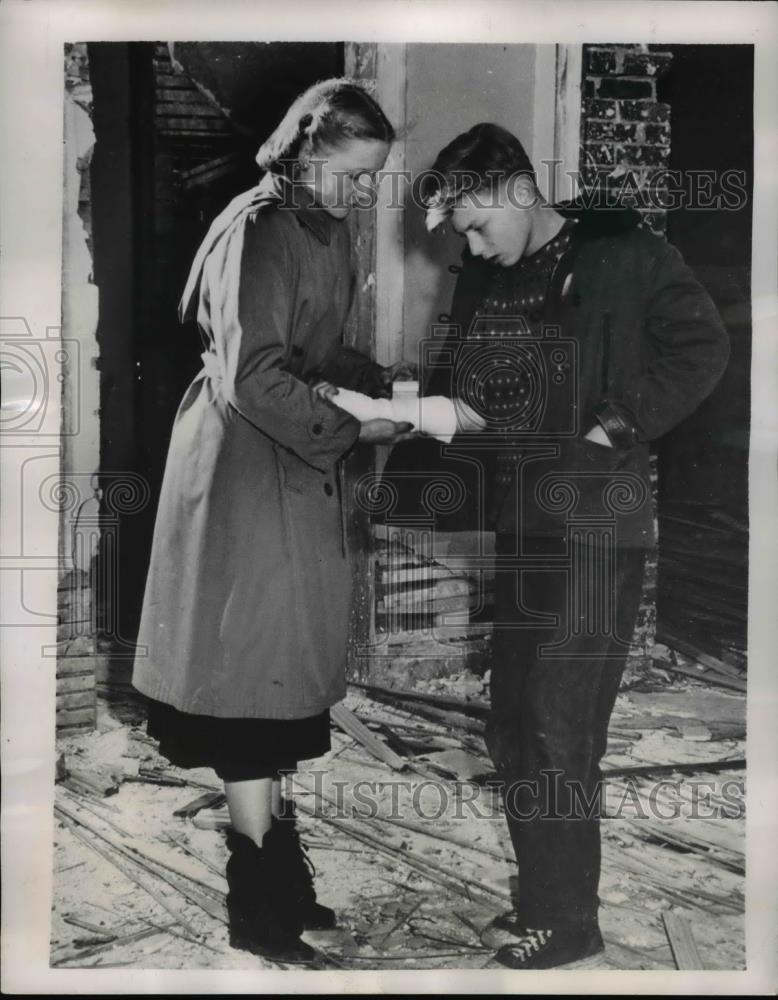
point(341, 174)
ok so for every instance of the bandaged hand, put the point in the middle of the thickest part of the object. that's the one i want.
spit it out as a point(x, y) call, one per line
point(435, 416)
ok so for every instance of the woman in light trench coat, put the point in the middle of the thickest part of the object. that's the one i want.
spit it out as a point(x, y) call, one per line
point(243, 635)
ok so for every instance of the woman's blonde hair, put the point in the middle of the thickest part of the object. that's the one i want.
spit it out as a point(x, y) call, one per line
point(328, 113)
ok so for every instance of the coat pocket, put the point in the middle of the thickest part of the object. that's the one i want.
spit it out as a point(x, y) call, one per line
point(293, 473)
point(581, 482)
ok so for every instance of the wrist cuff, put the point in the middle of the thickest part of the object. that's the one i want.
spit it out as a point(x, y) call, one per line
point(617, 425)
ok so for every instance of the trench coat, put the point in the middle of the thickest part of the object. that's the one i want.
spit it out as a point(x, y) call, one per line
point(247, 601)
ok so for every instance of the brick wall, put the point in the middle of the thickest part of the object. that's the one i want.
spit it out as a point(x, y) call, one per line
point(625, 130)
point(78, 655)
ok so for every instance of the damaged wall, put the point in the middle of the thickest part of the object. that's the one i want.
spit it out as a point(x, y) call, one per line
point(625, 129)
point(77, 652)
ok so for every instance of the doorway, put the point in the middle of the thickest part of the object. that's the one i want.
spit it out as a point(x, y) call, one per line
point(177, 126)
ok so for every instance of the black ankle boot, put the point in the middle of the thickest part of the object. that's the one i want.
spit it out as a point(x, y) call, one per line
point(299, 871)
point(262, 916)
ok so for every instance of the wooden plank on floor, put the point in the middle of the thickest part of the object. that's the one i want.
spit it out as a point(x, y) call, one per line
point(705, 675)
point(350, 724)
point(711, 662)
point(682, 943)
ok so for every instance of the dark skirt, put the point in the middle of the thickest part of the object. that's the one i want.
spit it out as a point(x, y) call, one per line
point(237, 749)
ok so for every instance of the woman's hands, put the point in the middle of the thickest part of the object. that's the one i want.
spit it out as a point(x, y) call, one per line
point(382, 431)
point(375, 431)
point(325, 390)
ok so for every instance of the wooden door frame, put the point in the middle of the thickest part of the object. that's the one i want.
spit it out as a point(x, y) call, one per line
point(567, 121)
point(375, 325)
point(376, 321)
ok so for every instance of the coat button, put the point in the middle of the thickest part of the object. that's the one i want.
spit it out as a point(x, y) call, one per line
point(317, 428)
point(328, 489)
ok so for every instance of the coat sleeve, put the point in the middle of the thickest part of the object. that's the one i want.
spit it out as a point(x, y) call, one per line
point(689, 350)
point(256, 329)
point(349, 368)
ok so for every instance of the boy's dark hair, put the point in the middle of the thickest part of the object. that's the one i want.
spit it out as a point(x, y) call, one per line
point(486, 154)
point(328, 113)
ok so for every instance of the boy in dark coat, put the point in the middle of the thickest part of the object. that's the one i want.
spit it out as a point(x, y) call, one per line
point(578, 337)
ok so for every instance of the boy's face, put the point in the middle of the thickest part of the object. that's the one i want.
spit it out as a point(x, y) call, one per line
point(497, 223)
point(334, 172)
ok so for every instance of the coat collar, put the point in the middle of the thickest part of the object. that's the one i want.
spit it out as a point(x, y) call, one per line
point(272, 188)
point(300, 199)
point(607, 218)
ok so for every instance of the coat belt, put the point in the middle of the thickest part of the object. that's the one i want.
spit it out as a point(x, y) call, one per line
point(212, 369)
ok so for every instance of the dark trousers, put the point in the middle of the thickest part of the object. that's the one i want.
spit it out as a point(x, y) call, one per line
point(548, 727)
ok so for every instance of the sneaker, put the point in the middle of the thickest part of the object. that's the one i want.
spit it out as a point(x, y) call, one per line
point(510, 922)
point(553, 949)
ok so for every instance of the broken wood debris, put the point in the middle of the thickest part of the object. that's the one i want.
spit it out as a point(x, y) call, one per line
point(684, 876)
point(82, 801)
point(710, 662)
point(414, 590)
point(379, 938)
point(477, 708)
point(666, 882)
point(731, 764)
point(158, 776)
point(86, 925)
point(709, 669)
point(677, 834)
point(125, 869)
point(188, 849)
point(171, 870)
point(349, 723)
point(432, 869)
point(709, 676)
point(97, 782)
point(208, 800)
point(448, 719)
point(60, 958)
point(211, 819)
point(682, 943)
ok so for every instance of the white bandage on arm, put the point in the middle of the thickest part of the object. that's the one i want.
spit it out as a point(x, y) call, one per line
point(363, 407)
point(437, 416)
point(432, 415)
